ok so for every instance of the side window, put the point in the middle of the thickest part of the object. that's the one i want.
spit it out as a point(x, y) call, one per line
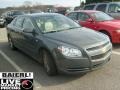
point(89, 7)
point(27, 23)
point(18, 22)
point(101, 7)
point(73, 16)
point(83, 16)
point(113, 8)
point(14, 22)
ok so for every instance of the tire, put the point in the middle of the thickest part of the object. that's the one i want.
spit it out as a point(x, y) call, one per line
point(11, 44)
point(5, 24)
point(1, 26)
point(49, 64)
point(107, 35)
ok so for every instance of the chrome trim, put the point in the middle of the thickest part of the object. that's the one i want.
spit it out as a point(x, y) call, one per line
point(102, 59)
point(97, 47)
point(93, 45)
point(102, 50)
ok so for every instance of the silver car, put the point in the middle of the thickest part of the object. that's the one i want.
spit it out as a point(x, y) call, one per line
point(111, 8)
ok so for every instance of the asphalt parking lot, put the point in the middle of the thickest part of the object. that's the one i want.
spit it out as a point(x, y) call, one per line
point(105, 78)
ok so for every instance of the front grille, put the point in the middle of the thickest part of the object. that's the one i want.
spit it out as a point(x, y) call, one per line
point(100, 55)
point(97, 47)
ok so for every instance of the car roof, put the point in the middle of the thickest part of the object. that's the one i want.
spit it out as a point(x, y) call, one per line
point(40, 14)
point(86, 11)
point(102, 3)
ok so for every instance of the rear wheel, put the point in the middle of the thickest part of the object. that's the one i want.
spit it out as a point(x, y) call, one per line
point(11, 44)
point(49, 64)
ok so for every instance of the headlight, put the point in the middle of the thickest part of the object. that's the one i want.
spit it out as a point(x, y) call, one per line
point(69, 52)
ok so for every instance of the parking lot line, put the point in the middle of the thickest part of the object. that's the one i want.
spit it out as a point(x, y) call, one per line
point(11, 62)
point(117, 53)
point(17, 67)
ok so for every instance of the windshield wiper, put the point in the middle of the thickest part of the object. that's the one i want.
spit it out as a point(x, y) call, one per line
point(67, 29)
point(62, 30)
point(73, 28)
point(51, 32)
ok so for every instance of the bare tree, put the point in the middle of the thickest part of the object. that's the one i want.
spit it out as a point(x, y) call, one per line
point(27, 3)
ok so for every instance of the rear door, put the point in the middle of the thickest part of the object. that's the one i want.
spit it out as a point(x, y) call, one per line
point(16, 31)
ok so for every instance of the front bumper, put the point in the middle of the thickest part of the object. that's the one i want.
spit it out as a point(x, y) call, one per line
point(79, 65)
point(116, 37)
point(1, 23)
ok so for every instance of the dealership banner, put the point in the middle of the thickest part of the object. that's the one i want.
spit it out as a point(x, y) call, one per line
point(16, 80)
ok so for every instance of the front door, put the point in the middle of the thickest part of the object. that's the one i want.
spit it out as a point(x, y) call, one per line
point(31, 41)
point(83, 19)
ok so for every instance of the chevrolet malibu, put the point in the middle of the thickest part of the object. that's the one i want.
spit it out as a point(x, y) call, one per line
point(59, 43)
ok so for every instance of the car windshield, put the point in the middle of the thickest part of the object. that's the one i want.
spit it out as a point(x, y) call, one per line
point(55, 23)
point(101, 16)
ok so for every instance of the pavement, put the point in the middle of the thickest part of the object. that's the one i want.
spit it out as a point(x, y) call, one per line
point(105, 78)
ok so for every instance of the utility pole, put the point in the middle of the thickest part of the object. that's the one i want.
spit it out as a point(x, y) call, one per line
point(80, 2)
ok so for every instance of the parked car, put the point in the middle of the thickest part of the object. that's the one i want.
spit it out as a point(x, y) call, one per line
point(35, 11)
point(10, 15)
point(98, 21)
point(111, 8)
point(59, 43)
point(1, 22)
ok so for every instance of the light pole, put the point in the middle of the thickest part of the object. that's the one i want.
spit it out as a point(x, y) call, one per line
point(80, 2)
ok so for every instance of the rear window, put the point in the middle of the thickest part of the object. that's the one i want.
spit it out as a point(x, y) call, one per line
point(89, 7)
point(72, 15)
point(101, 16)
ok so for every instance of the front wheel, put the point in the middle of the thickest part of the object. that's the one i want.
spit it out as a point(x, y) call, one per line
point(107, 35)
point(11, 44)
point(49, 64)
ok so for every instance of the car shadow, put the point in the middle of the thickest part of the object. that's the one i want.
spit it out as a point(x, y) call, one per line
point(28, 64)
point(116, 46)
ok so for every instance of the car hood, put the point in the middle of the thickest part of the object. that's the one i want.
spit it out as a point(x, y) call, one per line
point(81, 37)
point(112, 23)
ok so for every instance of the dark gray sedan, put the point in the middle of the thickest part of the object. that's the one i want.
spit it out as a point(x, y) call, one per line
point(59, 43)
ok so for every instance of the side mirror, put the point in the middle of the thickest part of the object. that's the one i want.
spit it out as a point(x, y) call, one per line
point(89, 20)
point(28, 30)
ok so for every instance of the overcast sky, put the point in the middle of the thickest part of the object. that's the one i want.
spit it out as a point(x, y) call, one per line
point(7, 3)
